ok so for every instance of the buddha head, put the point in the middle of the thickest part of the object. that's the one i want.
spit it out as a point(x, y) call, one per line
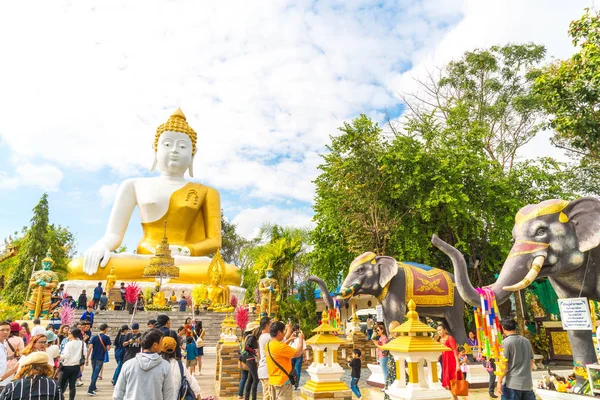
point(175, 146)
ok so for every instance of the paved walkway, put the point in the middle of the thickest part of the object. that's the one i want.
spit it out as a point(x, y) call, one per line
point(207, 379)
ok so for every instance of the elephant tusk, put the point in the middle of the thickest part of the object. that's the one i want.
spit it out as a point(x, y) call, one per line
point(536, 267)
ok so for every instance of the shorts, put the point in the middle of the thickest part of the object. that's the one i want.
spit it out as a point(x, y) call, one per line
point(191, 363)
point(200, 351)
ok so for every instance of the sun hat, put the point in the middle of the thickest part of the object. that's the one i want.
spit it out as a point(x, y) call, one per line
point(168, 344)
point(15, 327)
point(50, 336)
point(251, 326)
point(37, 357)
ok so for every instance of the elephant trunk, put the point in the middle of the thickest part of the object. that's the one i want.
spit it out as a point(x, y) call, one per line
point(535, 269)
point(324, 291)
point(461, 275)
point(346, 293)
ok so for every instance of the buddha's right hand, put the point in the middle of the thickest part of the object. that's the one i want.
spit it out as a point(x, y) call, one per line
point(97, 255)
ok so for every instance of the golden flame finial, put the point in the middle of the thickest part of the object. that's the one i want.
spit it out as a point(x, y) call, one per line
point(412, 311)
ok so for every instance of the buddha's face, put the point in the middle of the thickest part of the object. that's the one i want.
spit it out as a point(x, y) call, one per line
point(174, 153)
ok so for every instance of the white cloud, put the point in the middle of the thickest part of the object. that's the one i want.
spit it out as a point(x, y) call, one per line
point(488, 23)
point(46, 177)
point(250, 220)
point(107, 194)
point(256, 81)
point(263, 84)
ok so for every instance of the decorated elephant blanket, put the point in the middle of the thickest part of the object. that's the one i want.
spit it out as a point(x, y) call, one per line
point(427, 286)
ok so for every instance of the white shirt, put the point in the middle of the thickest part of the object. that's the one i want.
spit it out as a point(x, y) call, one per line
point(3, 364)
point(38, 330)
point(263, 372)
point(294, 344)
point(71, 354)
point(176, 375)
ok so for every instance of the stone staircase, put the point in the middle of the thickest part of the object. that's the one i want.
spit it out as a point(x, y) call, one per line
point(211, 322)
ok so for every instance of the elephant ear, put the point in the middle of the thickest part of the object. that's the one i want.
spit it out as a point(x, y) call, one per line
point(584, 213)
point(388, 268)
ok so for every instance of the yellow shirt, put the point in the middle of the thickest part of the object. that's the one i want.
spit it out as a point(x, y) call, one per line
point(282, 353)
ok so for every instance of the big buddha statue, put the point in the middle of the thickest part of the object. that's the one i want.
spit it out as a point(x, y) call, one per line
point(193, 212)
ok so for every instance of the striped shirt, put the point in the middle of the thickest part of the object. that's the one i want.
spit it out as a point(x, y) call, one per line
point(36, 388)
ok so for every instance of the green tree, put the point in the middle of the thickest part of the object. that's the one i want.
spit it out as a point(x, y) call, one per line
point(437, 178)
point(33, 249)
point(487, 94)
point(232, 242)
point(282, 247)
point(301, 308)
point(36, 239)
point(570, 93)
point(352, 206)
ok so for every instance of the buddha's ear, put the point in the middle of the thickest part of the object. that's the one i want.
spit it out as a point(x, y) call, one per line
point(191, 168)
point(154, 163)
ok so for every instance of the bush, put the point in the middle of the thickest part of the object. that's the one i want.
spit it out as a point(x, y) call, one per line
point(11, 312)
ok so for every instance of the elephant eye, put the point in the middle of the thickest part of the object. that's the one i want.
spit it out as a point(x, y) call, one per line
point(360, 271)
point(540, 232)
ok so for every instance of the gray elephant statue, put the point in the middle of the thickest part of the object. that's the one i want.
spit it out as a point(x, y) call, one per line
point(395, 283)
point(556, 239)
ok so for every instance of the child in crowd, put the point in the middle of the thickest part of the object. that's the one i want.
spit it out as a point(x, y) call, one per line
point(355, 364)
point(463, 361)
point(191, 354)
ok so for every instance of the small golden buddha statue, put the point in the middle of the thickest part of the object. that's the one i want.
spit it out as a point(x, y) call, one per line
point(217, 294)
point(536, 307)
point(158, 299)
point(192, 209)
point(111, 279)
point(42, 284)
point(269, 290)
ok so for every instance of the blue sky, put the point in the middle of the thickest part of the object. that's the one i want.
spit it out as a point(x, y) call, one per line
point(85, 84)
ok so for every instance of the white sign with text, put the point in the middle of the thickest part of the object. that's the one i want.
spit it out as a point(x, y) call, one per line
point(379, 310)
point(575, 314)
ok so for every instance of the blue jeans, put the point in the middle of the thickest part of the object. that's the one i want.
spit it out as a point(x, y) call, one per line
point(384, 368)
point(242, 382)
point(369, 334)
point(96, 368)
point(512, 394)
point(297, 365)
point(118, 370)
point(354, 387)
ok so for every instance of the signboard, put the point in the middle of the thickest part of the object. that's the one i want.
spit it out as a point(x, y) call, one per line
point(379, 311)
point(575, 314)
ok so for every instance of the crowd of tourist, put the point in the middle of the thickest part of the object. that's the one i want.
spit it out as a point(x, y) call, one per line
point(46, 362)
point(49, 361)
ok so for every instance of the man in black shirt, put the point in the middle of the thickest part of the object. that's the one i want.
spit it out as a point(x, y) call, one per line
point(132, 343)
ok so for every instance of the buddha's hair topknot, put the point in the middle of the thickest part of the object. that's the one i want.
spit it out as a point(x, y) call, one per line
point(176, 123)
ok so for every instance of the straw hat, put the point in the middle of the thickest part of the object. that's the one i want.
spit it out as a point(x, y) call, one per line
point(37, 357)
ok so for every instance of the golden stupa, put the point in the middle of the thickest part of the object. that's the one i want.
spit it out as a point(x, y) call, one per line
point(162, 265)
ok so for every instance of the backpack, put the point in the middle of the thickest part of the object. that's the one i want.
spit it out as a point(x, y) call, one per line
point(185, 391)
